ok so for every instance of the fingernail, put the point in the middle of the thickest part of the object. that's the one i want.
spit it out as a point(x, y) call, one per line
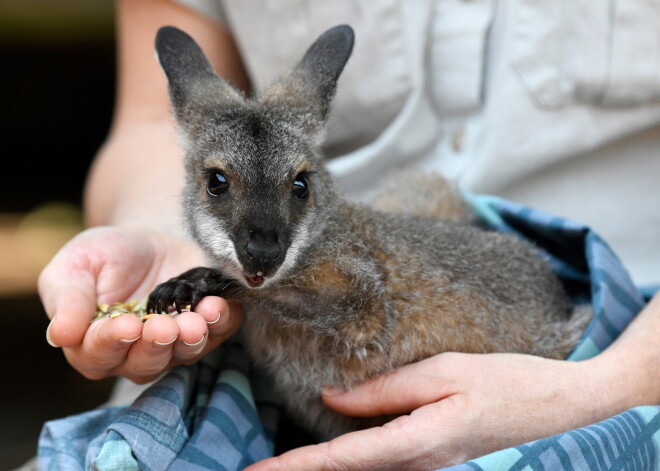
point(217, 319)
point(162, 344)
point(48, 339)
point(196, 343)
point(130, 340)
point(331, 391)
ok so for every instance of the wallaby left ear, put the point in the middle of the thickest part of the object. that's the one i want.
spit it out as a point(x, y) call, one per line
point(312, 83)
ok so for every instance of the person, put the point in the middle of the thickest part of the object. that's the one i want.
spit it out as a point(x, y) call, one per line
point(500, 116)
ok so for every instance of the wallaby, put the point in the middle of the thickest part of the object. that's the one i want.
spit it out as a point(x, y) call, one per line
point(336, 292)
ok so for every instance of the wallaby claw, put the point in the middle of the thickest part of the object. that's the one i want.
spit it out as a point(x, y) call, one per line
point(188, 289)
point(177, 292)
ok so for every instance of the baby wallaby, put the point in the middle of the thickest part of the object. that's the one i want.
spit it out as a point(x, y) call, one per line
point(335, 292)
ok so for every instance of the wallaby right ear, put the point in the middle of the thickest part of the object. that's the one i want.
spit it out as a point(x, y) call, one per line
point(192, 80)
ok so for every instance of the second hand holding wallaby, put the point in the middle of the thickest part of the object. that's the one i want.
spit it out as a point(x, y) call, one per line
point(336, 292)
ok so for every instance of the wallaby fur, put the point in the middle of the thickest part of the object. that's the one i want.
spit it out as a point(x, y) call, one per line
point(336, 292)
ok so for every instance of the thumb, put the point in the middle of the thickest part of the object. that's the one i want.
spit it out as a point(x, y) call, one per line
point(68, 296)
point(71, 306)
point(396, 392)
point(69, 285)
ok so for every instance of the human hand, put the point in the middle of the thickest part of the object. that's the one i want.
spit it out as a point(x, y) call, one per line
point(109, 264)
point(459, 407)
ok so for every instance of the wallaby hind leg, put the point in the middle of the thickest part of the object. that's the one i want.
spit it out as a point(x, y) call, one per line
point(426, 194)
point(558, 339)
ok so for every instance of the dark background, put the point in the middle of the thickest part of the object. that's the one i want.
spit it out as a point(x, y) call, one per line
point(56, 93)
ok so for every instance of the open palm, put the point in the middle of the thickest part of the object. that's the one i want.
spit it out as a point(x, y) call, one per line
point(108, 264)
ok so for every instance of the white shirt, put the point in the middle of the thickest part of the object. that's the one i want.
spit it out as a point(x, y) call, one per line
point(551, 103)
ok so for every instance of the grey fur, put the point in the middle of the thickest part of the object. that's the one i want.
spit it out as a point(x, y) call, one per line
point(353, 291)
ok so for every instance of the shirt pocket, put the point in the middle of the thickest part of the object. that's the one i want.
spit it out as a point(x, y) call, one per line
point(457, 51)
point(596, 52)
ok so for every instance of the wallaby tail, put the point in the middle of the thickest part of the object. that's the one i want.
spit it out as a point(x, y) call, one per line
point(576, 325)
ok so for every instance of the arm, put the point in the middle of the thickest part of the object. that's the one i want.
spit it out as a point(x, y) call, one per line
point(133, 190)
point(463, 406)
point(142, 146)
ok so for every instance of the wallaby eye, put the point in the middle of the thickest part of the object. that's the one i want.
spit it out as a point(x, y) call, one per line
point(217, 184)
point(300, 187)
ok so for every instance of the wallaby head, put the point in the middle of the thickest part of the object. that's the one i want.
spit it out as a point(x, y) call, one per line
point(257, 191)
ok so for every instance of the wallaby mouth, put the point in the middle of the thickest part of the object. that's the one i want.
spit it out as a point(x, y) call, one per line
point(255, 281)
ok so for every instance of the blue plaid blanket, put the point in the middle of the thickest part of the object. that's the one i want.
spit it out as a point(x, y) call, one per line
point(219, 414)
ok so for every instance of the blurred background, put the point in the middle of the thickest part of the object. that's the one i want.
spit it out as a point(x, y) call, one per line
point(56, 95)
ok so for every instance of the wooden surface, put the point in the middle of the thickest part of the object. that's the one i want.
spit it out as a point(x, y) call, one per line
point(29, 241)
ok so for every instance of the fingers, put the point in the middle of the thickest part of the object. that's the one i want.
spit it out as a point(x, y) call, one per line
point(126, 346)
point(399, 391)
point(222, 317)
point(105, 345)
point(71, 306)
point(405, 443)
point(184, 339)
point(150, 355)
point(214, 321)
point(192, 336)
point(82, 272)
point(111, 264)
point(123, 346)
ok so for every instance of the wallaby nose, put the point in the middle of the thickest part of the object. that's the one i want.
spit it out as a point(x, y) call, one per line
point(262, 246)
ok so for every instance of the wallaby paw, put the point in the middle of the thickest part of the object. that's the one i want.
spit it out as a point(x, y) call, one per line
point(178, 292)
point(187, 289)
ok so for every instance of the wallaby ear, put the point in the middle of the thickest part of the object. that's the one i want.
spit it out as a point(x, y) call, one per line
point(312, 83)
point(192, 81)
point(325, 59)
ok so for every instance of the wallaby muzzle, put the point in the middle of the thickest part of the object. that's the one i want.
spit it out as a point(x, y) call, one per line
point(261, 251)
